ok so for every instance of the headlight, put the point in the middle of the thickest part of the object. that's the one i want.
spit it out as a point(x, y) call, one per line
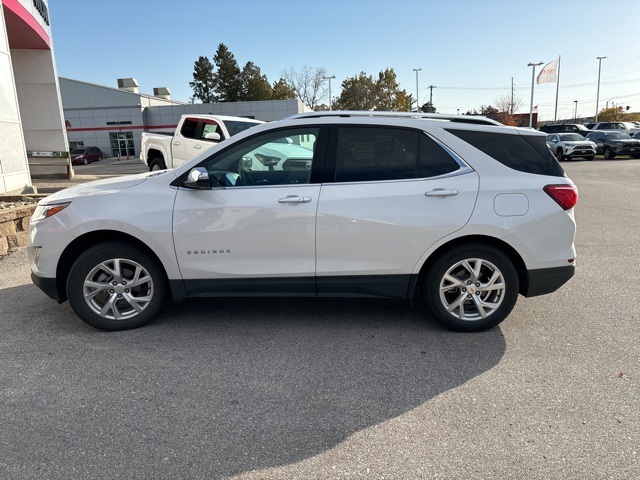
point(45, 211)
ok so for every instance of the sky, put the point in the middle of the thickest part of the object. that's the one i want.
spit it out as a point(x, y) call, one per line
point(469, 50)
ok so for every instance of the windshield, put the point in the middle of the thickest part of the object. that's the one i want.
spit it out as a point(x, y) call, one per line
point(236, 127)
point(618, 136)
point(571, 137)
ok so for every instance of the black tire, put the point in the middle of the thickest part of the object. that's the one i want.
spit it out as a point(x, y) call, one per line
point(590, 157)
point(635, 156)
point(476, 295)
point(110, 295)
point(608, 154)
point(559, 155)
point(157, 164)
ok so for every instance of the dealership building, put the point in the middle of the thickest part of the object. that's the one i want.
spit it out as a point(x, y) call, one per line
point(114, 118)
point(43, 116)
point(31, 119)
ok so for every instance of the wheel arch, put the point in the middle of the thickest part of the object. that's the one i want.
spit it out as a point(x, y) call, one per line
point(80, 244)
point(153, 154)
point(501, 245)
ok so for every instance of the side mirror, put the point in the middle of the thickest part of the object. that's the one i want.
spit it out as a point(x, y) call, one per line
point(212, 136)
point(198, 179)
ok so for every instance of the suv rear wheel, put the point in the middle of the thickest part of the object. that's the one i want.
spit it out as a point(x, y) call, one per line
point(115, 286)
point(471, 288)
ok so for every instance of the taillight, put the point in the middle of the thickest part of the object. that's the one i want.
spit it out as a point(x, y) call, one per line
point(564, 195)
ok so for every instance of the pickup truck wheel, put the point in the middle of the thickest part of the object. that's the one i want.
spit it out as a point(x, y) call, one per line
point(559, 155)
point(115, 286)
point(157, 164)
point(471, 288)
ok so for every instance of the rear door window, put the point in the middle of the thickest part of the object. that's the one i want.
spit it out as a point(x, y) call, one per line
point(367, 154)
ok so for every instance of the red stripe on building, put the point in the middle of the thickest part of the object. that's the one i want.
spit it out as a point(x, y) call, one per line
point(120, 128)
point(18, 38)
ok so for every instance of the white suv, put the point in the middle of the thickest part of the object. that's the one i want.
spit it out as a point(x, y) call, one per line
point(459, 212)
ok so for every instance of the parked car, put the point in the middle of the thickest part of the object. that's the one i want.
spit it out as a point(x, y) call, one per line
point(614, 143)
point(86, 155)
point(565, 128)
point(459, 213)
point(627, 127)
point(636, 135)
point(570, 146)
point(194, 135)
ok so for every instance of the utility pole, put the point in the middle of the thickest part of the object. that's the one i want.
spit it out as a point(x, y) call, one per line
point(431, 87)
point(512, 88)
point(329, 78)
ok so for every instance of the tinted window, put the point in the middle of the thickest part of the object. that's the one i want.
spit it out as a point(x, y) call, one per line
point(378, 153)
point(189, 126)
point(525, 153)
point(234, 127)
point(275, 158)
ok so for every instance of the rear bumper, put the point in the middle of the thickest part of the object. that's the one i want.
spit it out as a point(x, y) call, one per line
point(546, 280)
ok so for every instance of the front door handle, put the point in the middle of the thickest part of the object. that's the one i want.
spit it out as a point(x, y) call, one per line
point(197, 146)
point(441, 192)
point(176, 143)
point(295, 199)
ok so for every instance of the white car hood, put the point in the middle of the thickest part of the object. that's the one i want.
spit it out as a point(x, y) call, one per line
point(98, 187)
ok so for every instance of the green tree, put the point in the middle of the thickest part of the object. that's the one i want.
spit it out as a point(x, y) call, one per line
point(389, 96)
point(255, 86)
point(204, 83)
point(486, 109)
point(358, 93)
point(281, 90)
point(228, 81)
point(428, 108)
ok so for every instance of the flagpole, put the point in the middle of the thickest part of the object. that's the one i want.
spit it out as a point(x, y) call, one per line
point(533, 78)
point(555, 115)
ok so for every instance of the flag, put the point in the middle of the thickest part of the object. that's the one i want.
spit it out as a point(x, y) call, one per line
point(549, 73)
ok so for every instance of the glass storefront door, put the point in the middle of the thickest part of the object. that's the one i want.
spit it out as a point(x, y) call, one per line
point(122, 144)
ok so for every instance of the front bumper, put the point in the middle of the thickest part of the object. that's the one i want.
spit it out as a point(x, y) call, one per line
point(48, 286)
point(547, 280)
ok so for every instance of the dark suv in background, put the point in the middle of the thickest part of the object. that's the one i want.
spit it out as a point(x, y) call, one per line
point(611, 144)
point(566, 128)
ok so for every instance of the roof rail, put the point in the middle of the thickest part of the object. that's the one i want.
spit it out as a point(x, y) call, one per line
point(480, 120)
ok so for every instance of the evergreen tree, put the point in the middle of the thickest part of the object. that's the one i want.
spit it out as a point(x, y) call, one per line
point(204, 83)
point(228, 81)
point(255, 86)
point(282, 90)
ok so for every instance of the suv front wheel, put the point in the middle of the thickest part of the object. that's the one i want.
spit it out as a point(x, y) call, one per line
point(115, 286)
point(471, 288)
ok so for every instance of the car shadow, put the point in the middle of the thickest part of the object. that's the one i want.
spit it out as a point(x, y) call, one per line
point(217, 387)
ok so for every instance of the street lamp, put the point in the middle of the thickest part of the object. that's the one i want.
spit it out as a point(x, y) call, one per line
point(575, 114)
point(417, 103)
point(533, 77)
point(329, 78)
point(598, 94)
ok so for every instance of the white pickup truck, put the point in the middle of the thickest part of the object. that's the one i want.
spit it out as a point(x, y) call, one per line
point(194, 135)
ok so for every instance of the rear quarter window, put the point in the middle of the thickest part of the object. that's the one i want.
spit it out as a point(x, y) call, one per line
point(525, 153)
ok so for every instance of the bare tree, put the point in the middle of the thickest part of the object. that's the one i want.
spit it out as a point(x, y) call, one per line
point(308, 84)
point(507, 106)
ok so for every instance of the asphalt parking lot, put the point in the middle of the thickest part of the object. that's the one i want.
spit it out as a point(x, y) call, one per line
point(317, 389)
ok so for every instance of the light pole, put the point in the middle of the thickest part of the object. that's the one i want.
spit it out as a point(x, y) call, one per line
point(329, 78)
point(598, 94)
point(417, 103)
point(533, 77)
point(575, 113)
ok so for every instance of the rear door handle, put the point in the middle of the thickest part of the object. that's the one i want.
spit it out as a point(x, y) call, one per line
point(295, 199)
point(441, 192)
point(176, 143)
